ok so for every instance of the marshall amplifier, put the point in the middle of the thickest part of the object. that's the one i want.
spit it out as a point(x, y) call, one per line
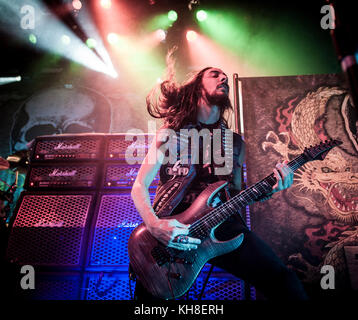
point(115, 219)
point(63, 176)
point(67, 147)
point(129, 148)
point(123, 176)
point(50, 230)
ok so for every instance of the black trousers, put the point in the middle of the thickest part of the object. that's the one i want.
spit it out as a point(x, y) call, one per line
point(255, 262)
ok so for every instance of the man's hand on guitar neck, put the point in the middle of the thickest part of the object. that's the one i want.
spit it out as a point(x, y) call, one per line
point(284, 176)
point(173, 234)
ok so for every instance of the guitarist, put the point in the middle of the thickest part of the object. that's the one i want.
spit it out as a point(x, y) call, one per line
point(201, 102)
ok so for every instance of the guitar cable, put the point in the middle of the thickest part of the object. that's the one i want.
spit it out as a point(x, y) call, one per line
point(131, 278)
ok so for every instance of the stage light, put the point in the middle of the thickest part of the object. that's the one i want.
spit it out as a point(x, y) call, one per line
point(77, 4)
point(91, 43)
point(172, 15)
point(66, 40)
point(112, 38)
point(32, 38)
point(201, 15)
point(106, 4)
point(6, 80)
point(191, 35)
point(113, 73)
point(160, 34)
point(57, 38)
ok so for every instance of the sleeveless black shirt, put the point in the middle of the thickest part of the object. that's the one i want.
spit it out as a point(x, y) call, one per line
point(205, 172)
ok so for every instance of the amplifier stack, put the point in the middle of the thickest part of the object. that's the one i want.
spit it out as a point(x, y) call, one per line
point(77, 211)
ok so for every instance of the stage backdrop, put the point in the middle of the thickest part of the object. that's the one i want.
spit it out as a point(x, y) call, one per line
point(309, 224)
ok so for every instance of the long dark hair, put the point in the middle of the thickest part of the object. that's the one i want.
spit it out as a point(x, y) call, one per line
point(178, 104)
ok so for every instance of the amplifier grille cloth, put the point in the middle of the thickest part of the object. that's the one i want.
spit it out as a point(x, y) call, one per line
point(48, 230)
point(116, 219)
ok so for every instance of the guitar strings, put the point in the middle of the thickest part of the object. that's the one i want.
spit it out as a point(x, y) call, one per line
point(216, 214)
point(227, 205)
point(213, 215)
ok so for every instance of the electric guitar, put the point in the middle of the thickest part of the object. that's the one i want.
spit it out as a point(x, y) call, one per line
point(168, 273)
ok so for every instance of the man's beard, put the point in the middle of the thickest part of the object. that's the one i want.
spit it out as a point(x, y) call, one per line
point(220, 100)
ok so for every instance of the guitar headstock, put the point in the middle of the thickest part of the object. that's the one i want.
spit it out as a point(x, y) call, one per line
point(319, 151)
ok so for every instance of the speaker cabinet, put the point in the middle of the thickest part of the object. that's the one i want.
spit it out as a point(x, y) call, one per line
point(50, 229)
point(116, 217)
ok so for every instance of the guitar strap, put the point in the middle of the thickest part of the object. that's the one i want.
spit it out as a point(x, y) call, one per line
point(174, 178)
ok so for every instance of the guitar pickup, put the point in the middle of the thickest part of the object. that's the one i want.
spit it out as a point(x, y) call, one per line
point(160, 255)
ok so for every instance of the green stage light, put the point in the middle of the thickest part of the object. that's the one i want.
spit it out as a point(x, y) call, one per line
point(32, 38)
point(201, 15)
point(172, 15)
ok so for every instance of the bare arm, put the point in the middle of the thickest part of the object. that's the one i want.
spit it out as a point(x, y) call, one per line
point(164, 230)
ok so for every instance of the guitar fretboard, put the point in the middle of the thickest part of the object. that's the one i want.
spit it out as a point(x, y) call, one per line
point(202, 227)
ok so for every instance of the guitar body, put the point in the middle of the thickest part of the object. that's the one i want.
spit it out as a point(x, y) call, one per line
point(169, 273)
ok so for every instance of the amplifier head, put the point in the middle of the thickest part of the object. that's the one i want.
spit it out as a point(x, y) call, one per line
point(67, 147)
point(123, 176)
point(128, 147)
point(63, 176)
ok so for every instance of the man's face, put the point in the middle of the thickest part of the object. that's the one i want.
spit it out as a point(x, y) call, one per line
point(215, 86)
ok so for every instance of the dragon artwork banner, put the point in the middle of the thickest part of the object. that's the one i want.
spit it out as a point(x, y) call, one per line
point(312, 223)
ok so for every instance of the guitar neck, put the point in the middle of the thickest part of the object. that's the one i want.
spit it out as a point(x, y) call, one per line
point(241, 200)
point(263, 187)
